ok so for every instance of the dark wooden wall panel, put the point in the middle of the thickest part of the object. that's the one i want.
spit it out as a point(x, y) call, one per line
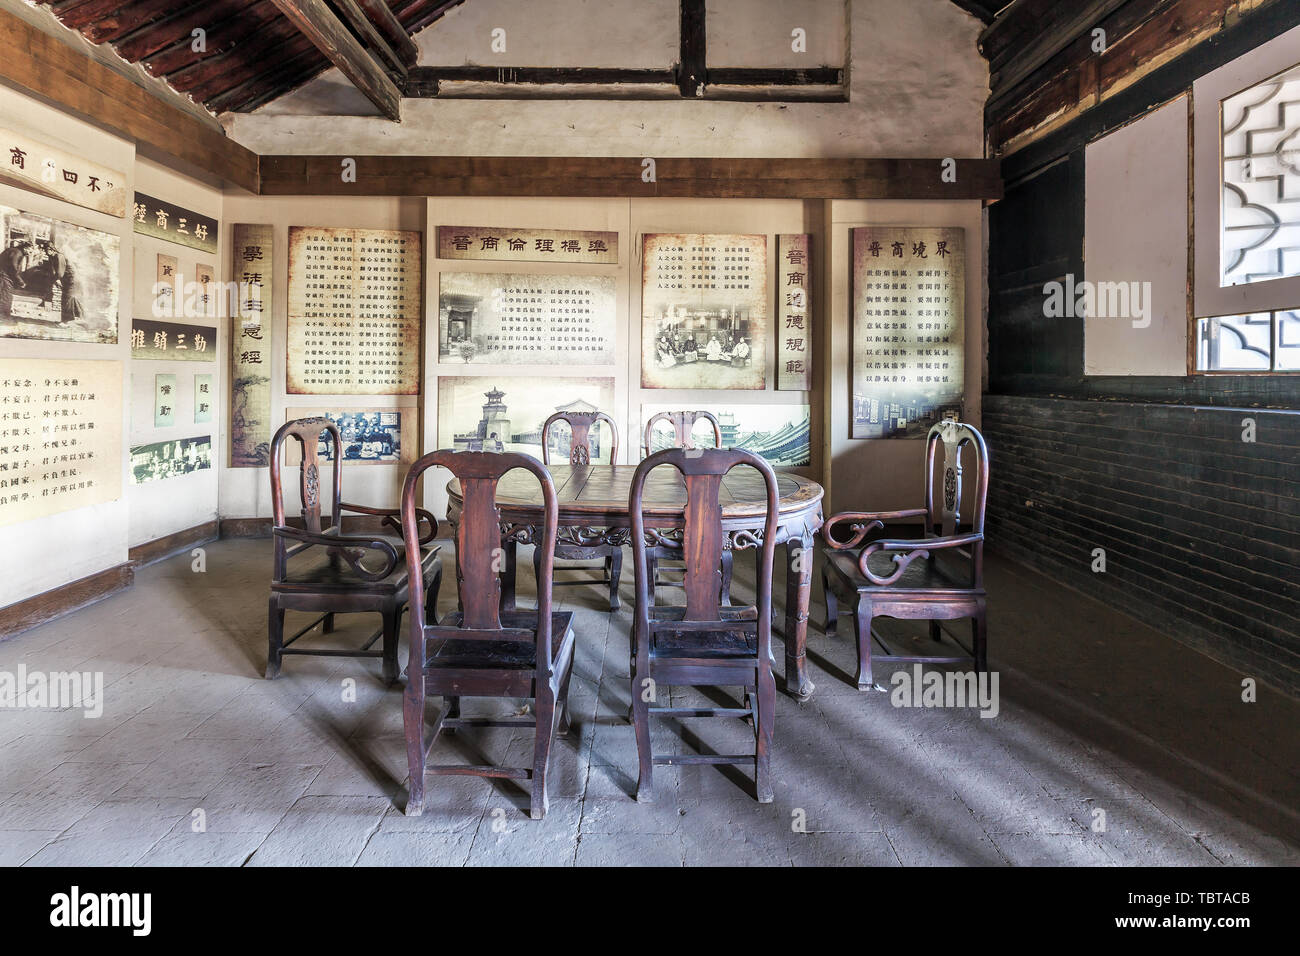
point(1201, 530)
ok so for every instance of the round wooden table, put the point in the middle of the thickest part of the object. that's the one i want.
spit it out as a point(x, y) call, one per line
point(593, 510)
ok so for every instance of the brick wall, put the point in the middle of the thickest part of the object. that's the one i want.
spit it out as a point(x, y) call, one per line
point(1201, 529)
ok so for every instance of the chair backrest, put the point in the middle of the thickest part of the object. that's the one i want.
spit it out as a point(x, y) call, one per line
point(479, 553)
point(580, 424)
point(683, 425)
point(944, 515)
point(702, 541)
point(307, 432)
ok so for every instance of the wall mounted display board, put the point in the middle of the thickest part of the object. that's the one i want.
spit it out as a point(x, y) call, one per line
point(158, 461)
point(163, 220)
point(60, 436)
point(794, 312)
point(505, 319)
point(204, 397)
point(527, 245)
point(250, 346)
point(778, 433)
point(152, 339)
point(58, 281)
point(506, 413)
point(909, 305)
point(354, 311)
point(371, 436)
point(164, 400)
point(704, 311)
point(40, 168)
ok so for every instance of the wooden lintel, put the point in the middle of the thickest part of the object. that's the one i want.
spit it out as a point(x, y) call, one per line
point(46, 67)
point(319, 24)
point(750, 178)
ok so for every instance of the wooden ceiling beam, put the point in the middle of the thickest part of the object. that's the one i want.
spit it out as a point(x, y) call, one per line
point(699, 178)
point(368, 34)
point(46, 67)
point(383, 17)
point(319, 24)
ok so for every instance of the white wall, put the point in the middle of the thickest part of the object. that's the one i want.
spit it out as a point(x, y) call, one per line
point(917, 86)
point(887, 474)
point(1136, 230)
point(43, 553)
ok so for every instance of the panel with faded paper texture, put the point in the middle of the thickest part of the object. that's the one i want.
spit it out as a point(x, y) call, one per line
point(354, 311)
point(62, 428)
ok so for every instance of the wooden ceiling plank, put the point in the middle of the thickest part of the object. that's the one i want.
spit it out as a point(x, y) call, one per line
point(332, 38)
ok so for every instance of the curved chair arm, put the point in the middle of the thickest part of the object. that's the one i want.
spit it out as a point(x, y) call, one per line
point(908, 550)
point(351, 548)
point(861, 524)
point(393, 518)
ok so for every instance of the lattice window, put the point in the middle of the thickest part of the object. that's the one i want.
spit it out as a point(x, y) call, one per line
point(1258, 342)
point(1261, 181)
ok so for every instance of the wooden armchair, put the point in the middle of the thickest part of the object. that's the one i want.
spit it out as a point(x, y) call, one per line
point(319, 569)
point(705, 642)
point(683, 437)
point(937, 577)
point(577, 549)
point(484, 650)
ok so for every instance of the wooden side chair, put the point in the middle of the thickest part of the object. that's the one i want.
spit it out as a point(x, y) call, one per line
point(319, 569)
point(483, 650)
point(937, 577)
point(684, 437)
point(704, 642)
point(580, 425)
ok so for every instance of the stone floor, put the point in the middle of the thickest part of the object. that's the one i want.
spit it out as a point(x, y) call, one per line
point(1113, 745)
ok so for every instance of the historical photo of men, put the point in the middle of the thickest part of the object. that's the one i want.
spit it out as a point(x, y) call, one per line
point(58, 281)
point(704, 312)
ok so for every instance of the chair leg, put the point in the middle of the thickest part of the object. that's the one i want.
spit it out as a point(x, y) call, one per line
point(936, 632)
point(645, 788)
point(832, 606)
point(413, 726)
point(652, 572)
point(563, 702)
point(545, 704)
point(980, 634)
point(274, 640)
point(862, 625)
point(392, 631)
point(766, 722)
point(452, 705)
point(615, 569)
point(727, 565)
point(327, 626)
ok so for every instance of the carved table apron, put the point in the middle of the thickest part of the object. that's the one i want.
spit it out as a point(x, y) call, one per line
point(593, 510)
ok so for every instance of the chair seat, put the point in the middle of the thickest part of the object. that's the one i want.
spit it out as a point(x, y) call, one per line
point(943, 574)
point(722, 644)
point(315, 569)
point(450, 653)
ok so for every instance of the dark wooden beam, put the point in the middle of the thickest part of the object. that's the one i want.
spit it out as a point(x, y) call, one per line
point(426, 81)
point(383, 17)
point(50, 69)
point(319, 24)
point(621, 177)
point(1073, 23)
point(369, 34)
point(982, 11)
point(692, 73)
